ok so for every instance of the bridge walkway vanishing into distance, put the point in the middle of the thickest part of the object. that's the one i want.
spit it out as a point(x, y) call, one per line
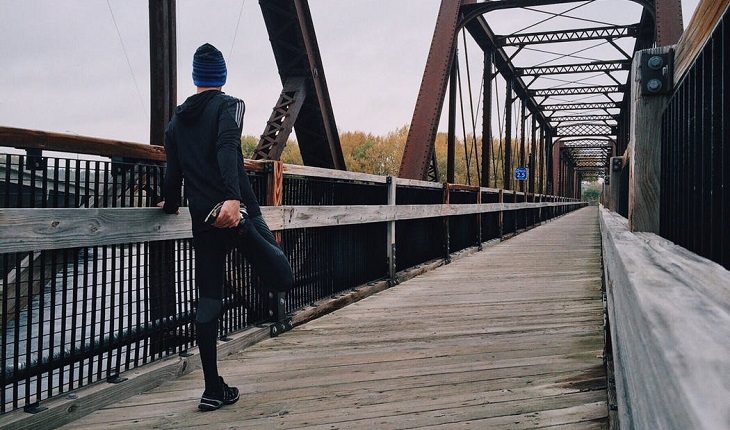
point(480, 343)
point(97, 286)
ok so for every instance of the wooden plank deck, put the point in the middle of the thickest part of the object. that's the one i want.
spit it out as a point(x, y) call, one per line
point(508, 338)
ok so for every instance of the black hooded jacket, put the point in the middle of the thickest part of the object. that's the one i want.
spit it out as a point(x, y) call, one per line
point(203, 145)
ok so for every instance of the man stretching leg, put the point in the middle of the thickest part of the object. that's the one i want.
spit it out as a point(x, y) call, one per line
point(203, 144)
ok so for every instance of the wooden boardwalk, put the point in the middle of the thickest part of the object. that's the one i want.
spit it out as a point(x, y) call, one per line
point(508, 338)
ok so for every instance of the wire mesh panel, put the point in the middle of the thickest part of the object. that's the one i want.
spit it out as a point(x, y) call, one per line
point(490, 220)
point(73, 316)
point(695, 170)
point(421, 240)
point(464, 229)
point(328, 260)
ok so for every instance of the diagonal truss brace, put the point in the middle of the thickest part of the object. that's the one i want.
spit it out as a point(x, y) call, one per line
point(282, 119)
point(569, 35)
point(570, 91)
point(577, 130)
point(577, 106)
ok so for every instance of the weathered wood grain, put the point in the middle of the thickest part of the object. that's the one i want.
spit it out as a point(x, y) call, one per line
point(473, 344)
point(23, 230)
point(645, 150)
point(43, 140)
point(670, 325)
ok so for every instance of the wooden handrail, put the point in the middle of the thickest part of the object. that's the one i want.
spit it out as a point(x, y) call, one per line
point(24, 230)
point(47, 141)
point(706, 17)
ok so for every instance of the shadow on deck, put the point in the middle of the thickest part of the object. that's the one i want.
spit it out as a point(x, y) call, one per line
point(511, 337)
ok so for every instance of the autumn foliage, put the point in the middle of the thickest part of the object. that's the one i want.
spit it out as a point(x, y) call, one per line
point(382, 154)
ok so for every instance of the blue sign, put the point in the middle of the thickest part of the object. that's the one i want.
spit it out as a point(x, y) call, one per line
point(521, 174)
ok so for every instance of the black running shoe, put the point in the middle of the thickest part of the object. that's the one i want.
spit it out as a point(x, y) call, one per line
point(227, 396)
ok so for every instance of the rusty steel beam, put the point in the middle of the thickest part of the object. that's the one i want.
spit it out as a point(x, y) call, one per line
point(163, 67)
point(424, 125)
point(487, 118)
point(668, 21)
point(294, 42)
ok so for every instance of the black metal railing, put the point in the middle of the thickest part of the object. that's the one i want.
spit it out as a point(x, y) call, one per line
point(74, 316)
point(695, 169)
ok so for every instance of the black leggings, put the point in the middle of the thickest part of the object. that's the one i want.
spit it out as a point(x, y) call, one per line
point(255, 240)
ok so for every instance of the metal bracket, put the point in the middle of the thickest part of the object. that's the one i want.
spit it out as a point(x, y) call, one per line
point(184, 353)
point(277, 306)
point(617, 164)
point(280, 327)
point(34, 408)
point(657, 73)
point(35, 159)
point(115, 379)
point(123, 164)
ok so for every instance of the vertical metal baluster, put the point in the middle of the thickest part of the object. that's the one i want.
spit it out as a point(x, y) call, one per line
point(6, 198)
point(41, 318)
point(146, 316)
point(104, 333)
point(29, 321)
point(21, 182)
point(112, 305)
point(16, 328)
point(97, 344)
point(4, 316)
point(84, 318)
point(64, 316)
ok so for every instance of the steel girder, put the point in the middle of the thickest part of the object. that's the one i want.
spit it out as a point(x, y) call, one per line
point(570, 118)
point(294, 42)
point(433, 88)
point(581, 106)
point(585, 129)
point(598, 66)
point(572, 91)
point(418, 152)
point(612, 32)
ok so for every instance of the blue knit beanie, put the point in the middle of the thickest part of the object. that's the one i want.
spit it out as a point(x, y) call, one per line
point(209, 67)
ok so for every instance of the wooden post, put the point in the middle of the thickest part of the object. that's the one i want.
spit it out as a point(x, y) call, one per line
point(275, 189)
point(614, 184)
point(447, 233)
point(645, 149)
point(514, 213)
point(390, 233)
point(479, 221)
point(501, 215)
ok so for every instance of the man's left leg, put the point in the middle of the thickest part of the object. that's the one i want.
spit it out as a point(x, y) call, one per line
point(210, 253)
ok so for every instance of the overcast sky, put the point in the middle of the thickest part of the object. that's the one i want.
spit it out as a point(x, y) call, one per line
point(64, 68)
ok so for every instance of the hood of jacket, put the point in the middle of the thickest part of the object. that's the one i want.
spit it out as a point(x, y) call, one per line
point(194, 106)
